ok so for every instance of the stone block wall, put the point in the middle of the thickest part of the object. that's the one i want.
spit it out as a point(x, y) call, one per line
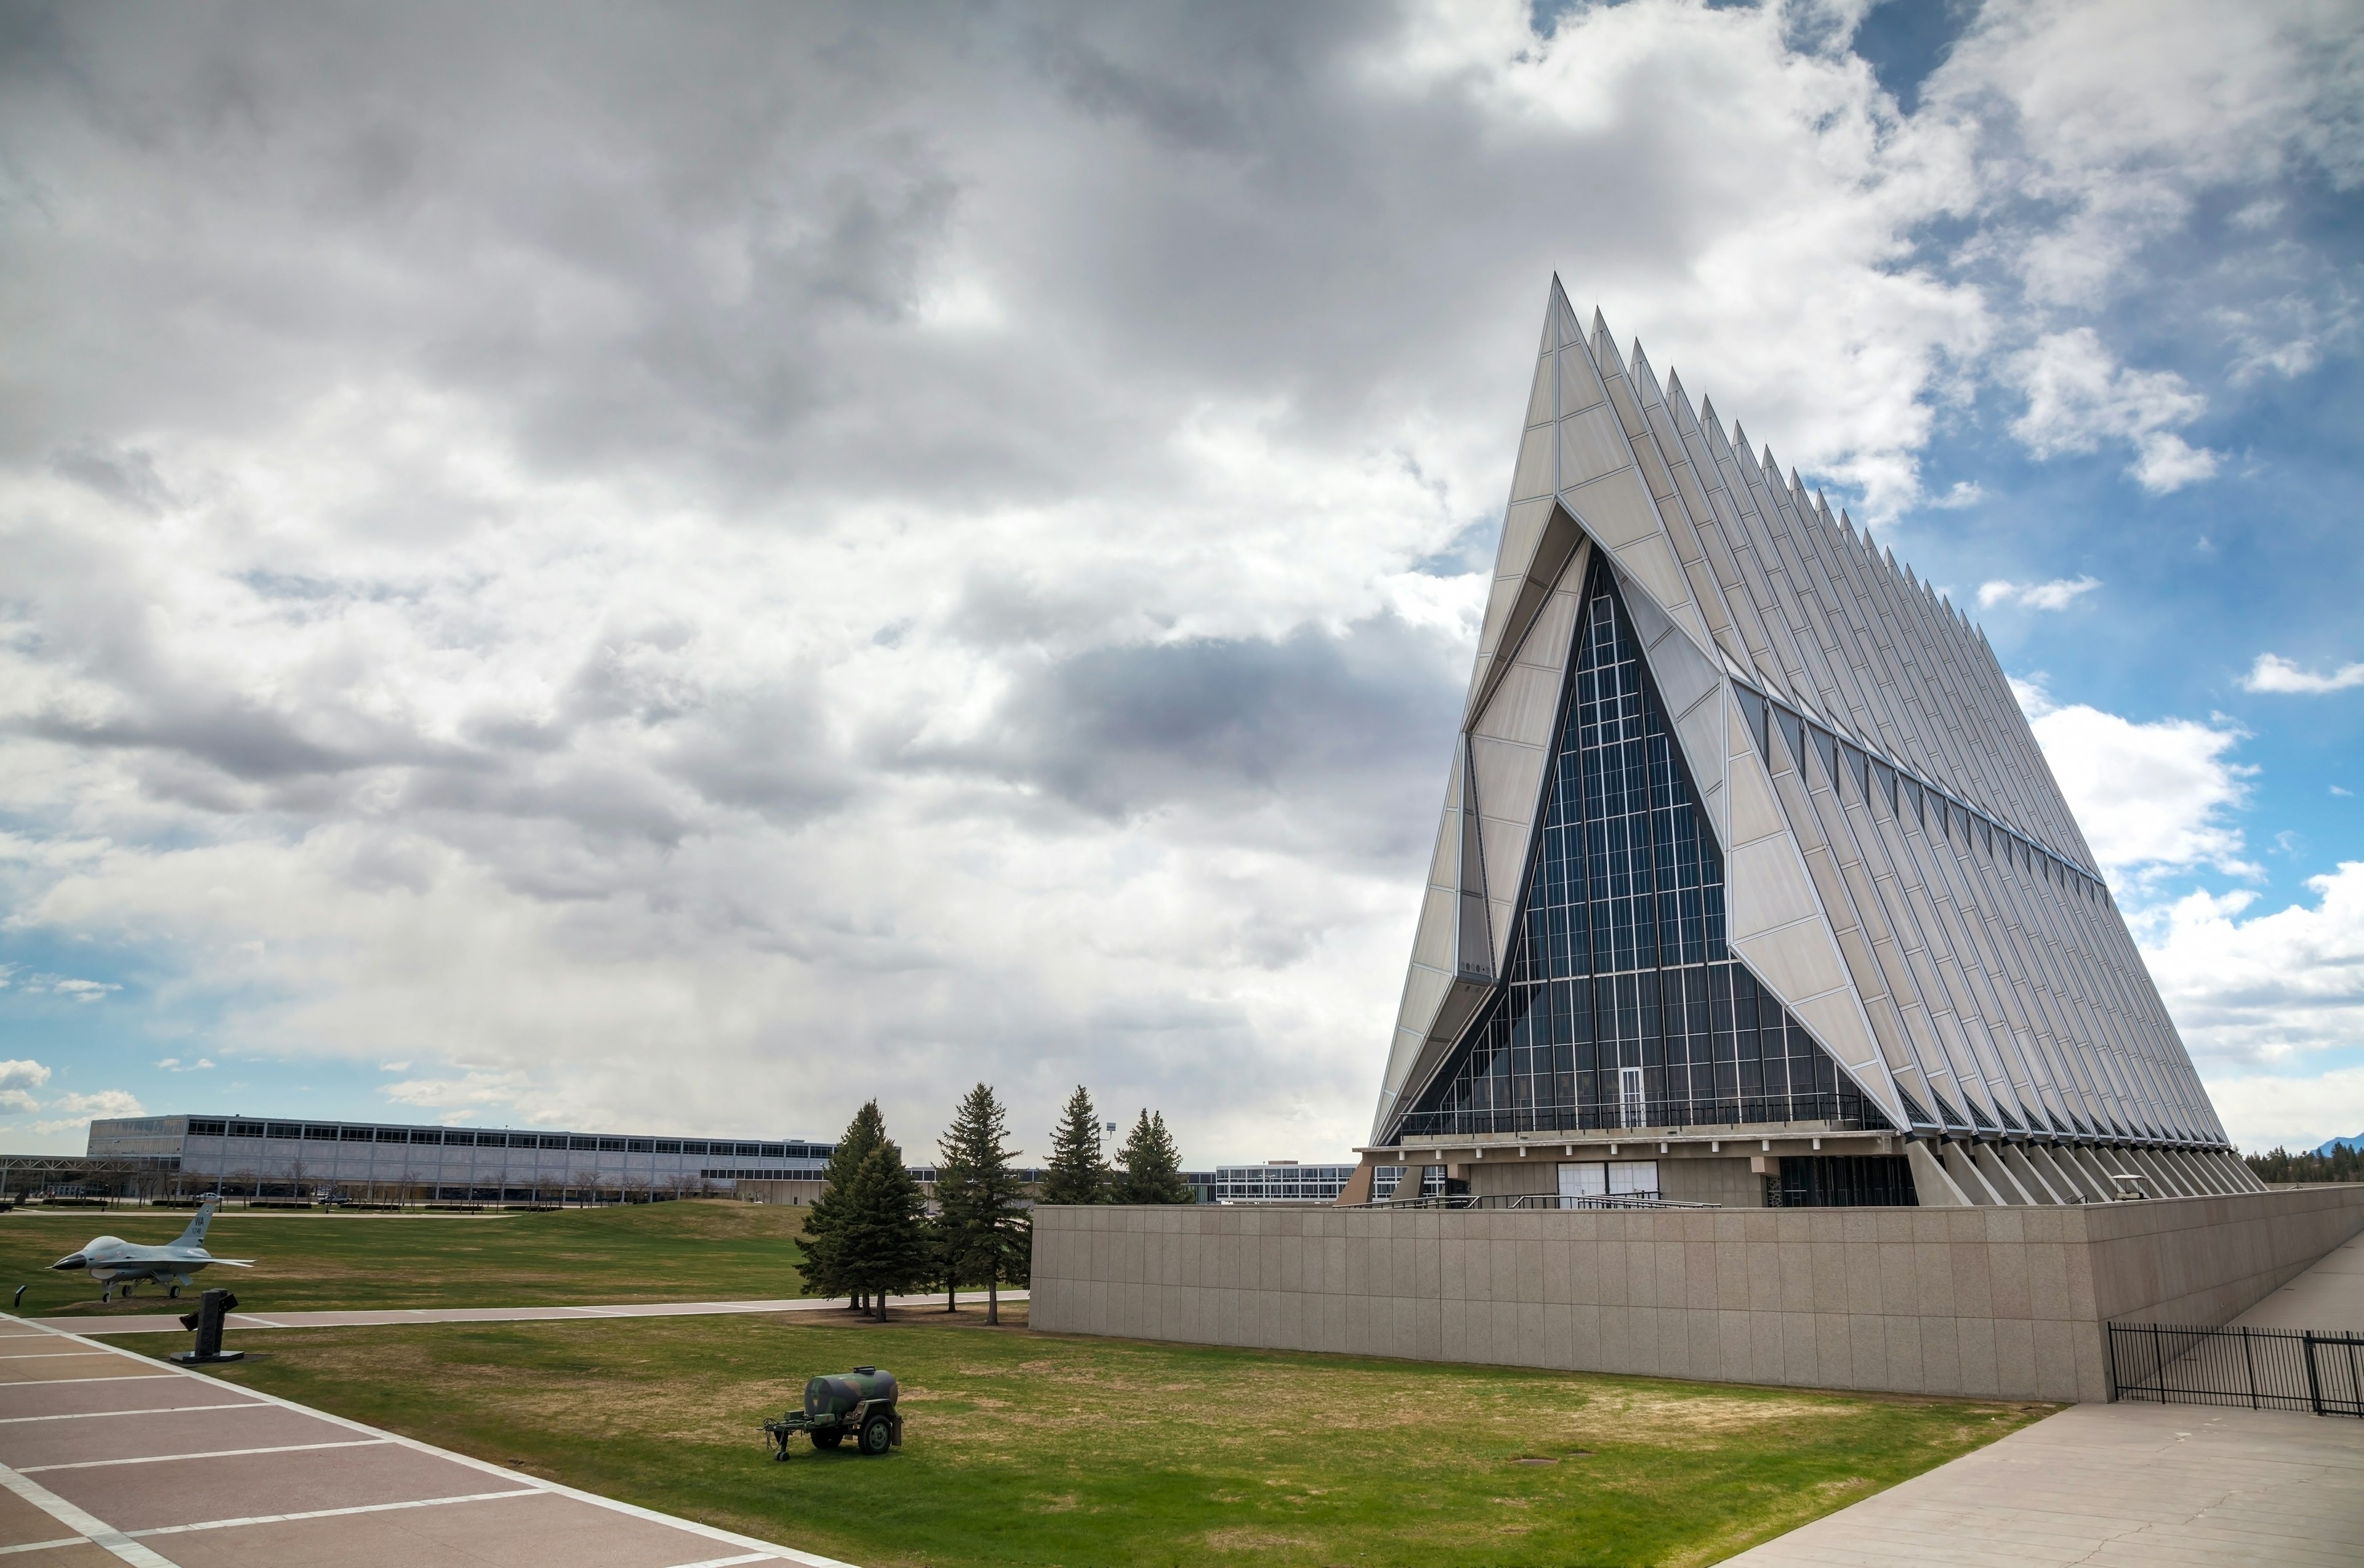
point(1996, 1303)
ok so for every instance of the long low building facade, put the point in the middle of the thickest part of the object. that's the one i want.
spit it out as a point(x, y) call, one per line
point(252, 1157)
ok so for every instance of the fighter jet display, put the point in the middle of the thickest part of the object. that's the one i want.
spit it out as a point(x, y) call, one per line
point(112, 1260)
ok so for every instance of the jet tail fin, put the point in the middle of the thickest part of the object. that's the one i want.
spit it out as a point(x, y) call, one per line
point(195, 1234)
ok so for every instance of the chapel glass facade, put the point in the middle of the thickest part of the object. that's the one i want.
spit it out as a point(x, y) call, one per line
point(1621, 1004)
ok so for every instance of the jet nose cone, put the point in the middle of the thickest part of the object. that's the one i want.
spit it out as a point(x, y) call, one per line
point(76, 1262)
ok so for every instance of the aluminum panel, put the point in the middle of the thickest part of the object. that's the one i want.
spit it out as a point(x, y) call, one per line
point(1524, 708)
point(1579, 381)
point(1682, 672)
point(1591, 445)
point(1615, 509)
point(1539, 401)
point(1650, 564)
point(1500, 601)
point(1754, 813)
point(1534, 474)
point(1798, 961)
point(1503, 841)
point(1766, 888)
point(1432, 945)
point(1522, 528)
point(1836, 1022)
point(1424, 990)
point(1700, 732)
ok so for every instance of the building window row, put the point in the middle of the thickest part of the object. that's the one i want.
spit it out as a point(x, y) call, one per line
point(339, 1132)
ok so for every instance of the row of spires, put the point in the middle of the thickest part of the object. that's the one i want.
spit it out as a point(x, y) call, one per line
point(1971, 639)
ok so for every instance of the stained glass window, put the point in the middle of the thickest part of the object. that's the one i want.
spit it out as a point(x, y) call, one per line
point(1621, 1004)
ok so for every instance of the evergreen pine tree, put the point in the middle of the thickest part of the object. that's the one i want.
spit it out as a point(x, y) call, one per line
point(1078, 1171)
point(983, 1224)
point(822, 1275)
point(1153, 1166)
point(881, 1242)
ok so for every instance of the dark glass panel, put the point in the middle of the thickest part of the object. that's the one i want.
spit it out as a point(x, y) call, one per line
point(1792, 729)
point(1752, 708)
point(1619, 960)
point(1826, 751)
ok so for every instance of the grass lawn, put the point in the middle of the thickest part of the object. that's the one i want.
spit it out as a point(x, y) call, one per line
point(1033, 1448)
point(691, 1250)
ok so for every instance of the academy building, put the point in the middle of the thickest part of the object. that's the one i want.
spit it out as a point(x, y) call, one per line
point(247, 1157)
point(1751, 885)
point(1767, 1018)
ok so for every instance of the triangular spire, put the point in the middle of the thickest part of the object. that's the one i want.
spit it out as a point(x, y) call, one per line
point(1645, 381)
point(1560, 328)
point(1604, 347)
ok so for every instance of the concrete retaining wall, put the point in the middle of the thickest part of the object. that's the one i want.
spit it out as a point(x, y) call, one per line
point(1999, 1303)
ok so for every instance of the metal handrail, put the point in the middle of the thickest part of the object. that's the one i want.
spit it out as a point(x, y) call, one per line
point(1533, 1201)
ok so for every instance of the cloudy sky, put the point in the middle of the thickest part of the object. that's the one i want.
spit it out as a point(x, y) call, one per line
point(681, 568)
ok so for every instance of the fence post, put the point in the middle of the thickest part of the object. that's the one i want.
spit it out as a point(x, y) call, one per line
point(2110, 1340)
point(2159, 1364)
point(2313, 1383)
point(2249, 1356)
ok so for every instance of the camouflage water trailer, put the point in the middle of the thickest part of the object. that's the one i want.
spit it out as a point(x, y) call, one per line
point(861, 1402)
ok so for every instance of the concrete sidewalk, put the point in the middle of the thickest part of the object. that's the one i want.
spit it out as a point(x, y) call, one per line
point(2114, 1486)
point(388, 1316)
point(2131, 1485)
point(109, 1458)
point(2327, 1298)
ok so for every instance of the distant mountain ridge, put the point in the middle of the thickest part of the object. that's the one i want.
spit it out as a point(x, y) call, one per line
point(2356, 1142)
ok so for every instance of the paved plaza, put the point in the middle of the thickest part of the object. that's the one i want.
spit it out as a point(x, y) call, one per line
point(2114, 1486)
point(109, 1458)
point(2327, 1298)
point(2133, 1485)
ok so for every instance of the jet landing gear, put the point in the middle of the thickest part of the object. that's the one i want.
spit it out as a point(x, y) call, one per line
point(174, 1292)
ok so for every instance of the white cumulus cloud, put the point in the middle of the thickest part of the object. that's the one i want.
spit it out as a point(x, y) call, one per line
point(2273, 674)
point(2152, 797)
point(2260, 996)
point(23, 1074)
point(2057, 595)
point(71, 1113)
point(2079, 396)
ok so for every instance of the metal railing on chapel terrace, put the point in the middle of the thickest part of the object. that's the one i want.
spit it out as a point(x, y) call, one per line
point(1535, 1200)
point(2266, 1369)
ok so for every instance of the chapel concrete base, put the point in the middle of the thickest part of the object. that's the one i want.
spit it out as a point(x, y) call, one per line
point(1998, 1303)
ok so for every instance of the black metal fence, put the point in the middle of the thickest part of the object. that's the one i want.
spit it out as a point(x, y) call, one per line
point(2266, 1369)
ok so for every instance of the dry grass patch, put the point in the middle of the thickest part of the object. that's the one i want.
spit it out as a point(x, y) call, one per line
point(1023, 1449)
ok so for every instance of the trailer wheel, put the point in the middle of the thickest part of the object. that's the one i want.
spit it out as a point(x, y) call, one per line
point(876, 1436)
point(829, 1438)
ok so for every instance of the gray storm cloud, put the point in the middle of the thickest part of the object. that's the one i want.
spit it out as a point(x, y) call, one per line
point(698, 564)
